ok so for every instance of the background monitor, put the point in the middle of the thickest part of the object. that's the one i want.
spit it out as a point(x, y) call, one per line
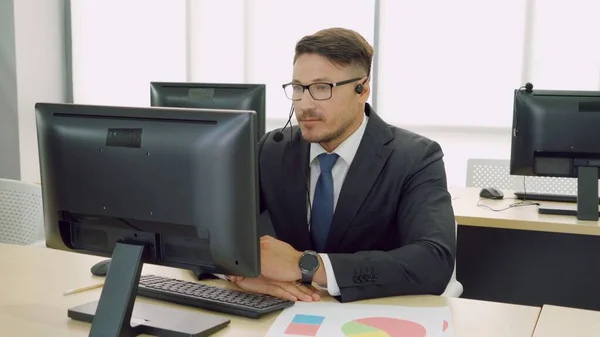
point(167, 186)
point(555, 134)
point(235, 96)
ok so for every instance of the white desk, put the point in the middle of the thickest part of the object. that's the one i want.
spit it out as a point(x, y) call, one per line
point(567, 322)
point(32, 280)
point(467, 212)
point(518, 255)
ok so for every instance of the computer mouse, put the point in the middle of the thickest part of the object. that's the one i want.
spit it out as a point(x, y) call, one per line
point(491, 193)
point(100, 268)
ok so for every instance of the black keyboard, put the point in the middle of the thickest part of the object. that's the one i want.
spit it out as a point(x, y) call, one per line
point(212, 298)
point(547, 197)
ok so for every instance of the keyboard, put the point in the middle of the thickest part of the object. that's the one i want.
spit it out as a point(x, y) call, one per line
point(211, 298)
point(547, 197)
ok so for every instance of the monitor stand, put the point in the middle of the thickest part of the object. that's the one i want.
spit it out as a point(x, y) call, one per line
point(200, 274)
point(587, 197)
point(118, 314)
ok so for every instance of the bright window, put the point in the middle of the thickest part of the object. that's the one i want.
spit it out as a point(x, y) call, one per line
point(450, 63)
point(119, 47)
point(275, 27)
point(565, 45)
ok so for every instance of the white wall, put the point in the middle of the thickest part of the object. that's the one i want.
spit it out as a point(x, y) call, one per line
point(9, 114)
point(212, 40)
point(458, 145)
point(40, 68)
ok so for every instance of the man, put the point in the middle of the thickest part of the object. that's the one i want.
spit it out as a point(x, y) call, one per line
point(369, 198)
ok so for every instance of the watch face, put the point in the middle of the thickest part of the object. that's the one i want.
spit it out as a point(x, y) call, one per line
point(309, 262)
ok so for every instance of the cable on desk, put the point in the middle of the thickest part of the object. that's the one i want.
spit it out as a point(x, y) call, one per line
point(523, 202)
point(525, 191)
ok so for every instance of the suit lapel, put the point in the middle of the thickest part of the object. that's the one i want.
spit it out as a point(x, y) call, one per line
point(368, 162)
point(295, 177)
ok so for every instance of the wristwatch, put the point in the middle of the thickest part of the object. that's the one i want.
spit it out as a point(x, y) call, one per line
point(309, 264)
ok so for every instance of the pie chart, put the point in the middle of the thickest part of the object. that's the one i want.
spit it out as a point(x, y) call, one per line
point(383, 327)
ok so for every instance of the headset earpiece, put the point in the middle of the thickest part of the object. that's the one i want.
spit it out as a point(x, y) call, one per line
point(359, 89)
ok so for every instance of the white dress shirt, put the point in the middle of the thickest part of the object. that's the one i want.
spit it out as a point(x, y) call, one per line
point(346, 152)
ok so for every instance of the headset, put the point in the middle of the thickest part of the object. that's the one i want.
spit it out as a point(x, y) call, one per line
point(359, 89)
point(278, 135)
point(528, 89)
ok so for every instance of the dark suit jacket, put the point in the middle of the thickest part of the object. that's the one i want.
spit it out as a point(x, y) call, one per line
point(393, 230)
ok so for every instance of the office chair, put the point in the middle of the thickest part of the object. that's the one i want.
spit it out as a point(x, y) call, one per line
point(454, 287)
point(21, 214)
point(496, 173)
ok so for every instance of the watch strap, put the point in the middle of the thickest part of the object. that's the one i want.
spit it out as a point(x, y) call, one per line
point(307, 276)
point(307, 279)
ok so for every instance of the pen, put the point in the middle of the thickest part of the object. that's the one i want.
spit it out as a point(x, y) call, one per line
point(82, 289)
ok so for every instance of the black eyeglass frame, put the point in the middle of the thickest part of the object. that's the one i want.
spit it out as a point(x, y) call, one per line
point(307, 87)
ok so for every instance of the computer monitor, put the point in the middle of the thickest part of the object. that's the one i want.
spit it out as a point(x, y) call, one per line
point(234, 96)
point(555, 134)
point(167, 186)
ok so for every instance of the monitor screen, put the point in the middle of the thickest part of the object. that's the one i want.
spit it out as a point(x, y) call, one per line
point(236, 96)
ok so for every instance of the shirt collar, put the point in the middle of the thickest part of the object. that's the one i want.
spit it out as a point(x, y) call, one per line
point(347, 149)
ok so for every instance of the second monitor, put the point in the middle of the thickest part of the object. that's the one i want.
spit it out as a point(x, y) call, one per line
point(555, 134)
point(233, 96)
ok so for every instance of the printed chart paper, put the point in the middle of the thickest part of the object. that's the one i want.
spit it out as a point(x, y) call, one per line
point(361, 320)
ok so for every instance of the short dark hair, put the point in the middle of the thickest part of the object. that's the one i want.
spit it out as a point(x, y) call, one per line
point(341, 46)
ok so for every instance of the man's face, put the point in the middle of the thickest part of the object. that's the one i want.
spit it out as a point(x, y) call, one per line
point(326, 121)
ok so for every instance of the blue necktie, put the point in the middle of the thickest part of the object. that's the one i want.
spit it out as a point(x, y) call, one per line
point(322, 208)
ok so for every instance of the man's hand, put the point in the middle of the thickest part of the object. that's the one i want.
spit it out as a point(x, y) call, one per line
point(279, 260)
point(286, 290)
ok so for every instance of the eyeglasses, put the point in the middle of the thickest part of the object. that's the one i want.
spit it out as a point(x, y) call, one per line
point(318, 91)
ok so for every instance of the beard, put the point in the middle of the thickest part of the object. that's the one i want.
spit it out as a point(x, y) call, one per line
point(326, 135)
point(326, 138)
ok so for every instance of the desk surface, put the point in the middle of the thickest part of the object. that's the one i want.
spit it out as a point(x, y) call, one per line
point(557, 321)
point(467, 212)
point(33, 280)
